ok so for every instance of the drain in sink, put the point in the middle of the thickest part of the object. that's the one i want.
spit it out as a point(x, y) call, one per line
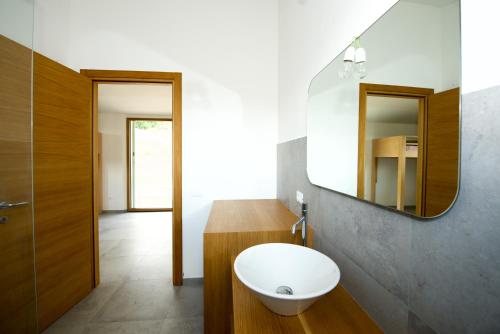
point(284, 290)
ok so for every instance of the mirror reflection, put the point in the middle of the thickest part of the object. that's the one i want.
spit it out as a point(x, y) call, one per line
point(383, 116)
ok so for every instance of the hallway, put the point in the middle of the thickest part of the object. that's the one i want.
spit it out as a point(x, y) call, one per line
point(136, 293)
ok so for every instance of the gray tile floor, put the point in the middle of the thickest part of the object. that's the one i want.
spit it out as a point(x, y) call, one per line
point(136, 293)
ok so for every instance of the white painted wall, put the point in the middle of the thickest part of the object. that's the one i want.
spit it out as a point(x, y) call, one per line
point(227, 51)
point(480, 47)
point(312, 33)
point(408, 56)
point(16, 20)
point(114, 160)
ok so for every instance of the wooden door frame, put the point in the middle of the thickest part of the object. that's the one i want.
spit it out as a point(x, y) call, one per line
point(175, 79)
point(422, 94)
point(129, 176)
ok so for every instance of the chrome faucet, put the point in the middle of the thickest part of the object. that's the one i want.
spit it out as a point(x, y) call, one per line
point(302, 221)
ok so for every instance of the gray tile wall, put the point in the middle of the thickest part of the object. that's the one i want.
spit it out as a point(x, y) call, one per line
point(413, 276)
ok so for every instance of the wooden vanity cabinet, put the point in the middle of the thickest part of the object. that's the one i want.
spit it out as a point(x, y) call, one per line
point(232, 227)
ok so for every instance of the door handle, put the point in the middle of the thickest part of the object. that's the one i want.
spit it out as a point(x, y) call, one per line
point(6, 205)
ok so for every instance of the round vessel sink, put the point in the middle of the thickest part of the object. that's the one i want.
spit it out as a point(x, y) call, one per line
point(287, 278)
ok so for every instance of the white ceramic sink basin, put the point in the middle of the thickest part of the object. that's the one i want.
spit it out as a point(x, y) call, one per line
point(300, 274)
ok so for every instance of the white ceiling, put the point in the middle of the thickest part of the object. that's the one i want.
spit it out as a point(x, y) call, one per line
point(391, 110)
point(137, 99)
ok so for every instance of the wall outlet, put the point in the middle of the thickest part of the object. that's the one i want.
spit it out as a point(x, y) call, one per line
point(300, 197)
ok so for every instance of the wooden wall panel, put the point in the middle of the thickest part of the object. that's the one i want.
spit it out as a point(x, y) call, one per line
point(62, 125)
point(17, 275)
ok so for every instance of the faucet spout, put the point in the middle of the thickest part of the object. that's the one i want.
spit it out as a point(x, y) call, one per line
point(294, 226)
point(303, 222)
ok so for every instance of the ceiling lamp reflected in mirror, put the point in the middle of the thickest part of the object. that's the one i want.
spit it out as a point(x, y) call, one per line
point(354, 61)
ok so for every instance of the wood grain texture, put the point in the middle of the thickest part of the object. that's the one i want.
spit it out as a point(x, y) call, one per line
point(363, 95)
point(442, 151)
point(421, 155)
point(177, 178)
point(388, 147)
point(232, 227)
point(62, 129)
point(174, 78)
point(131, 76)
point(336, 312)
point(249, 216)
point(17, 274)
point(97, 196)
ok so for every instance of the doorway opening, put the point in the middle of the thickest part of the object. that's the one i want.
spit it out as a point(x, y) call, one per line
point(391, 142)
point(391, 151)
point(149, 164)
point(148, 179)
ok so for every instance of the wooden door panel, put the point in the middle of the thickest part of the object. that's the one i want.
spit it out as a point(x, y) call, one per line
point(62, 125)
point(441, 180)
point(17, 274)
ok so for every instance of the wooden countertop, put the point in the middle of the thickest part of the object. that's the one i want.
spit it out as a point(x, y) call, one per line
point(337, 312)
point(261, 215)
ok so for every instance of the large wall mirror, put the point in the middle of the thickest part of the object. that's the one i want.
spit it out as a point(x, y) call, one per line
point(383, 118)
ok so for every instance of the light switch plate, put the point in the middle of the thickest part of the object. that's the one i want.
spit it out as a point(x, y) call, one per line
point(300, 197)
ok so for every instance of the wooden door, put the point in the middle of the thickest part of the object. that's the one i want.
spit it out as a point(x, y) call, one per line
point(62, 130)
point(98, 183)
point(441, 175)
point(17, 274)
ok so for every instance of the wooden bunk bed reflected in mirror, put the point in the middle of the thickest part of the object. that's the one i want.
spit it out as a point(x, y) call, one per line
point(400, 148)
